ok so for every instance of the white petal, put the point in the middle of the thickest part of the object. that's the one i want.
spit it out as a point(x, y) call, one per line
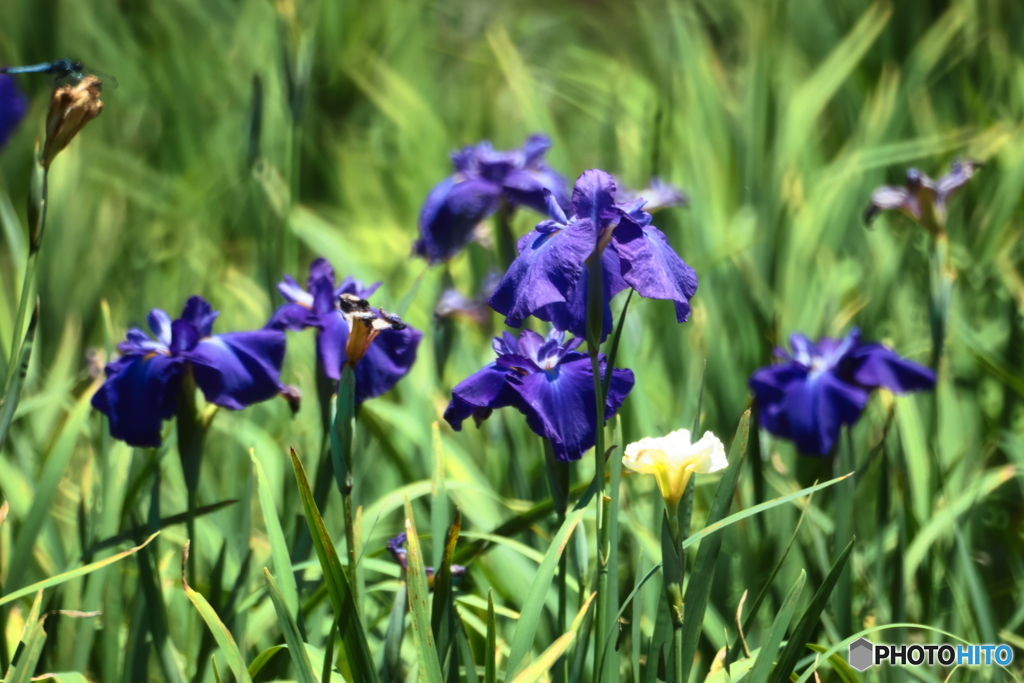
point(708, 454)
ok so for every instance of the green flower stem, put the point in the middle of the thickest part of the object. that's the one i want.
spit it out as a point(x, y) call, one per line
point(558, 479)
point(505, 240)
point(595, 324)
point(37, 199)
point(342, 446)
point(941, 277)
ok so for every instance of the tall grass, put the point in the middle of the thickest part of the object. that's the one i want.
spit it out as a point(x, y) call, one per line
point(777, 118)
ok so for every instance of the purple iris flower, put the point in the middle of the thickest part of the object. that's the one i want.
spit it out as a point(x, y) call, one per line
point(12, 107)
point(388, 359)
point(549, 382)
point(549, 279)
point(401, 555)
point(823, 386)
point(234, 370)
point(483, 177)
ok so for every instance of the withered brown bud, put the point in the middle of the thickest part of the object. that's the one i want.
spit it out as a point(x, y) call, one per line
point(71, 107)
point(293, 396)
point(365, 324)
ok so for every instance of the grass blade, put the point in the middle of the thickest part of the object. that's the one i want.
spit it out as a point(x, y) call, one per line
point(547, 659)
point(533, 607)
point(698, 589)
point(491, 646)
point(134, 532)
point(220, 632)
point(393, 637)
point(770, 646)
point(442, 618)
point(296, 647)
point(439, 498)
point(419, 597)
point(74, 573)
point(800, 636)
point(12, 394)
point(278, 545)
point(352, 635)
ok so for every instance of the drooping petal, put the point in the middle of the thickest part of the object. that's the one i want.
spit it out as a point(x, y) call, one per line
point(527, 186)
point(545, 272)
point(450, 213)
point(389, 359)
point(571, 315)
point(478, 395)
point(618, 389)
point(559, 403)
point(12, 107)
point(769, 385)
point(140, 392)
point(319, 269)
point(238, 369)
point(653, 268)
point(874, 366)
point(959, 173)
point(198, 312)
point(817, 408)
point(888, 198)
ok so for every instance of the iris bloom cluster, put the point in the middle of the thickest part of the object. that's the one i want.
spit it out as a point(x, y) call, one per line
point(819, 388)
point(549, 382)
point(238, 369)
point(344, 336)
point(549, 279)
point(233, 370)
point(483, 178)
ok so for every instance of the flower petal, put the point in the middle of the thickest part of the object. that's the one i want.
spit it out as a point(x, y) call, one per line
point(389, 359)
point(959, 173)
point(528, 186)
point(238, 369)
point(450, 213)
point(545, 272)
point(478, 395)
point(198, 312)
point(12, 107)
point(139, 394)
point(571, 315)
point(331, 341)
point(593, 197)
point(293, 317)
point(874, 365)
point(160, 323)
point(356, 288)
point(652, 267)
point(319, 269)
point(888, 198)
point(559, 403)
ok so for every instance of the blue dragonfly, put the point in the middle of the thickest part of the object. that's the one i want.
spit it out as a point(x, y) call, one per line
point(64, 71)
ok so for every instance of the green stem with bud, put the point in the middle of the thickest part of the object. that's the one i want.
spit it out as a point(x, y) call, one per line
point(36, 225)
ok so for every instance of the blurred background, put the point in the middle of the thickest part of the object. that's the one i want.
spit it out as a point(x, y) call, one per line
point(248, 137)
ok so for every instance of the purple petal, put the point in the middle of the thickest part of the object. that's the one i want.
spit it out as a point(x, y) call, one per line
point(479, 394)
point(874, 365)
point(534, 149)
point(319, 269)
point(450, 213)
point(324, 298)
point(137, 341)
point(293, 317)
point(330, 342)
point(528, 186)
point(593, 196)
point(653, 268)
point(356, 288)
point(389, 359)
point(139, 394)
point(238, 369)
point(160, 323)
point(545, 272)
point(12, 107)
point(571, 315)
point(559, 404)
point(198, 312)
point(184, 336)
point(293, 293)
point(807, 407)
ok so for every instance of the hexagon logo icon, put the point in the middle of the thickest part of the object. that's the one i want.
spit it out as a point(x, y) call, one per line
point(862, 654)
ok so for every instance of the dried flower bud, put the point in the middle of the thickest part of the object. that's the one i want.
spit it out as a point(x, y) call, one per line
point(293, 396)
point(365, 324)
point(70, 109)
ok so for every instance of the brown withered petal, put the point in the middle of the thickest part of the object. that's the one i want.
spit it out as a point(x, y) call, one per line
point(294, 397)
point(70, 109)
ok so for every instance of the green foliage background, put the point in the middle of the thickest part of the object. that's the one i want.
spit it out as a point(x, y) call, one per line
point(778, 118)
